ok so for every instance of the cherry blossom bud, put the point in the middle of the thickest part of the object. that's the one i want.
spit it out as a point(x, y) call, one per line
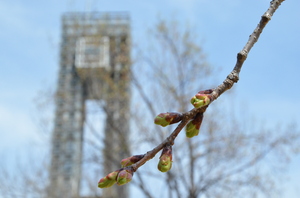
point(193, 127)
point(200, 100)
point(165, 119)
point(124, 177)
point(108, 180)
point(165, 160)
point(131, 160)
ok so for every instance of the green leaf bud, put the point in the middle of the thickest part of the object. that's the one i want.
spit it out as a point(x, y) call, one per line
point(124, 177)
point(193, 127)
point(200, 100)
point(108, 180)
point(165, 119)
point(165, 160)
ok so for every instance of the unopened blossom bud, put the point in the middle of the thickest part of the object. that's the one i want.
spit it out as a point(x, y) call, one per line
point(165, 160)
point(131, 160)
point(165, 119)
point(124, 177)
point(193, 127)
point(108, 180)
point(200, 100)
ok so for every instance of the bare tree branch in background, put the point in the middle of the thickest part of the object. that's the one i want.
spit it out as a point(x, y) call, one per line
point(27, 180)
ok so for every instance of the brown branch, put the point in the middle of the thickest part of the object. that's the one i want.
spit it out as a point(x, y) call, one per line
point(232, 78)
point(169, 140)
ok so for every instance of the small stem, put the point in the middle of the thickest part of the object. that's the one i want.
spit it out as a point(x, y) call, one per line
point(233, 77)
point(170, 139)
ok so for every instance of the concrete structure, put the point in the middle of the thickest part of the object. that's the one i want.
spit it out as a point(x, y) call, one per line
point(94, 65)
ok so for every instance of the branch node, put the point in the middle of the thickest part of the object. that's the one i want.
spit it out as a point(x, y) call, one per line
point(266, 17)
point(170, 140)
point(242, 55)
point(233, 76)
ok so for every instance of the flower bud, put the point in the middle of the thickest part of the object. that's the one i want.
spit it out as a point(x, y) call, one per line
point(131, 160)
point(124, 177)
point(165, 119)
point(200, 100)
point(165, 160)
point(108, 180)
point(193, 127)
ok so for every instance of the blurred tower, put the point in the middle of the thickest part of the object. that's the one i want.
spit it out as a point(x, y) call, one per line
point(94, 65)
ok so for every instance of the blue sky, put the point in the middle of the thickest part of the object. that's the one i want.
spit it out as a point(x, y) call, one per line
point(269, 81)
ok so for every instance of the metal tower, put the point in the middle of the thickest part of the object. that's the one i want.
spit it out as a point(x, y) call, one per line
point(94, 64)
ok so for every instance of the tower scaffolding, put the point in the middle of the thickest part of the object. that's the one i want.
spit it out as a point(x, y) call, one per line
point(94, 65)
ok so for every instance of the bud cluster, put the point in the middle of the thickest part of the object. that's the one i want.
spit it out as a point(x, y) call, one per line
point(202, 98)
point(165, 119)
point(193, 127)
point(165, 160)
point(121, 177)
point(124, 175)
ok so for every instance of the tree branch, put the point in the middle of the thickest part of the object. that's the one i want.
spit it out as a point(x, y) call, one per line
point(213, 94)
point(233, 77)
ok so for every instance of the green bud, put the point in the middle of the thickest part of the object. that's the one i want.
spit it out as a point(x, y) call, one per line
point(190, 130)
point(200, 100)
point(131, 160)
point(108, 180)
point(165, 160)
point(165, 119)
point(193, 127)
point(124, 177)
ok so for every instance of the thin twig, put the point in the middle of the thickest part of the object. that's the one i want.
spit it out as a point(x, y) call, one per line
point(232, 78)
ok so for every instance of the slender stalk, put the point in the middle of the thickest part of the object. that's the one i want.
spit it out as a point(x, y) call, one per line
point(232, 78)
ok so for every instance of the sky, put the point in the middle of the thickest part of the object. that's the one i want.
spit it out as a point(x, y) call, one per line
point(269, 81)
